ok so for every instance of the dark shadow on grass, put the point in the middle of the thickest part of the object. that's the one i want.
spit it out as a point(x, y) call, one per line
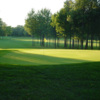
point(54, 82)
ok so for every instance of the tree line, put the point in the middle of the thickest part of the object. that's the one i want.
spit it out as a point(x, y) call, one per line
point(77, 20)
point(6, 30)
point(38, 25)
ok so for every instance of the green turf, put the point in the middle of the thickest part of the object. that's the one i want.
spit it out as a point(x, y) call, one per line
point(6, 43)
point(50, 82)
point(26, 42)
point(28, 73)
point(47, 56)
point(20, 51)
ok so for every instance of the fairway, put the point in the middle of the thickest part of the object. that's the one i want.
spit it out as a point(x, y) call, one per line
point(37, 73)
point(18, 51)
point(47, 56)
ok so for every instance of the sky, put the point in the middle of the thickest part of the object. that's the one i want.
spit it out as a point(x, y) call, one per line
point(14, 12)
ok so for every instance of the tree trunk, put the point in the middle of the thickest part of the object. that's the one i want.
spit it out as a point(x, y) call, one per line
point(46, 41)
point(49, 41)
point(83, 28)
point(99, 42)
point(96, 42)
point(73, 44)
point(65, 39)
point(57, 42)
point(86, 46)
point(81, 43)
point(43, 40)
point(92, 36)
point(78, 44)
point(70, 42)
point(40, 41)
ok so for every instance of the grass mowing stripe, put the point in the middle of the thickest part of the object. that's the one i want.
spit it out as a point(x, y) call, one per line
point(50, 82)
point(47, 56)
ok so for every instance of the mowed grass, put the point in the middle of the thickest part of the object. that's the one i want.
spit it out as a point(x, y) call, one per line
point(28, 73)
point(19, 51)
point(50, 82)
point(47, 56)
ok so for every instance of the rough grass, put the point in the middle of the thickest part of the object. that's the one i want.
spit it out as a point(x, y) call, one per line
point(50, 82)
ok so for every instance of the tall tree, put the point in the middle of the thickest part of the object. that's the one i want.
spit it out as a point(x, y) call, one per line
point(38, 23)
point(44, 18)
point(62, 20)
point(4, 29)
point(1, 29)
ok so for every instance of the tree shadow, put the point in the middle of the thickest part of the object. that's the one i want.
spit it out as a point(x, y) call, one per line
point(19, 58)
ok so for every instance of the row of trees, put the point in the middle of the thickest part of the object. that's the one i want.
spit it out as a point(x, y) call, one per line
point(79, 19)
point(19, 31)
point(38, 25)
point(4, 29)
point(11, 31)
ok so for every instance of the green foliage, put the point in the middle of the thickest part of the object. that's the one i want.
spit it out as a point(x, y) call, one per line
point(4, 29)
point(77, 19)
point(8, 30)
point(31, 23)
point(62, 20)
point(38, 23)
point(19, 31)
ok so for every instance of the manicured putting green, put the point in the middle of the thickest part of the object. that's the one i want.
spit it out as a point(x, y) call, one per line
point(47, 56)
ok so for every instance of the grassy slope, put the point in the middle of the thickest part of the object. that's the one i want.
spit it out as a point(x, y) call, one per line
point(50, 82)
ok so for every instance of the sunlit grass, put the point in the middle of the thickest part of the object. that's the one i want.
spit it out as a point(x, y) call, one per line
point(22, 38)
point(90, 55)
point(47, 56)
point(20, 51)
